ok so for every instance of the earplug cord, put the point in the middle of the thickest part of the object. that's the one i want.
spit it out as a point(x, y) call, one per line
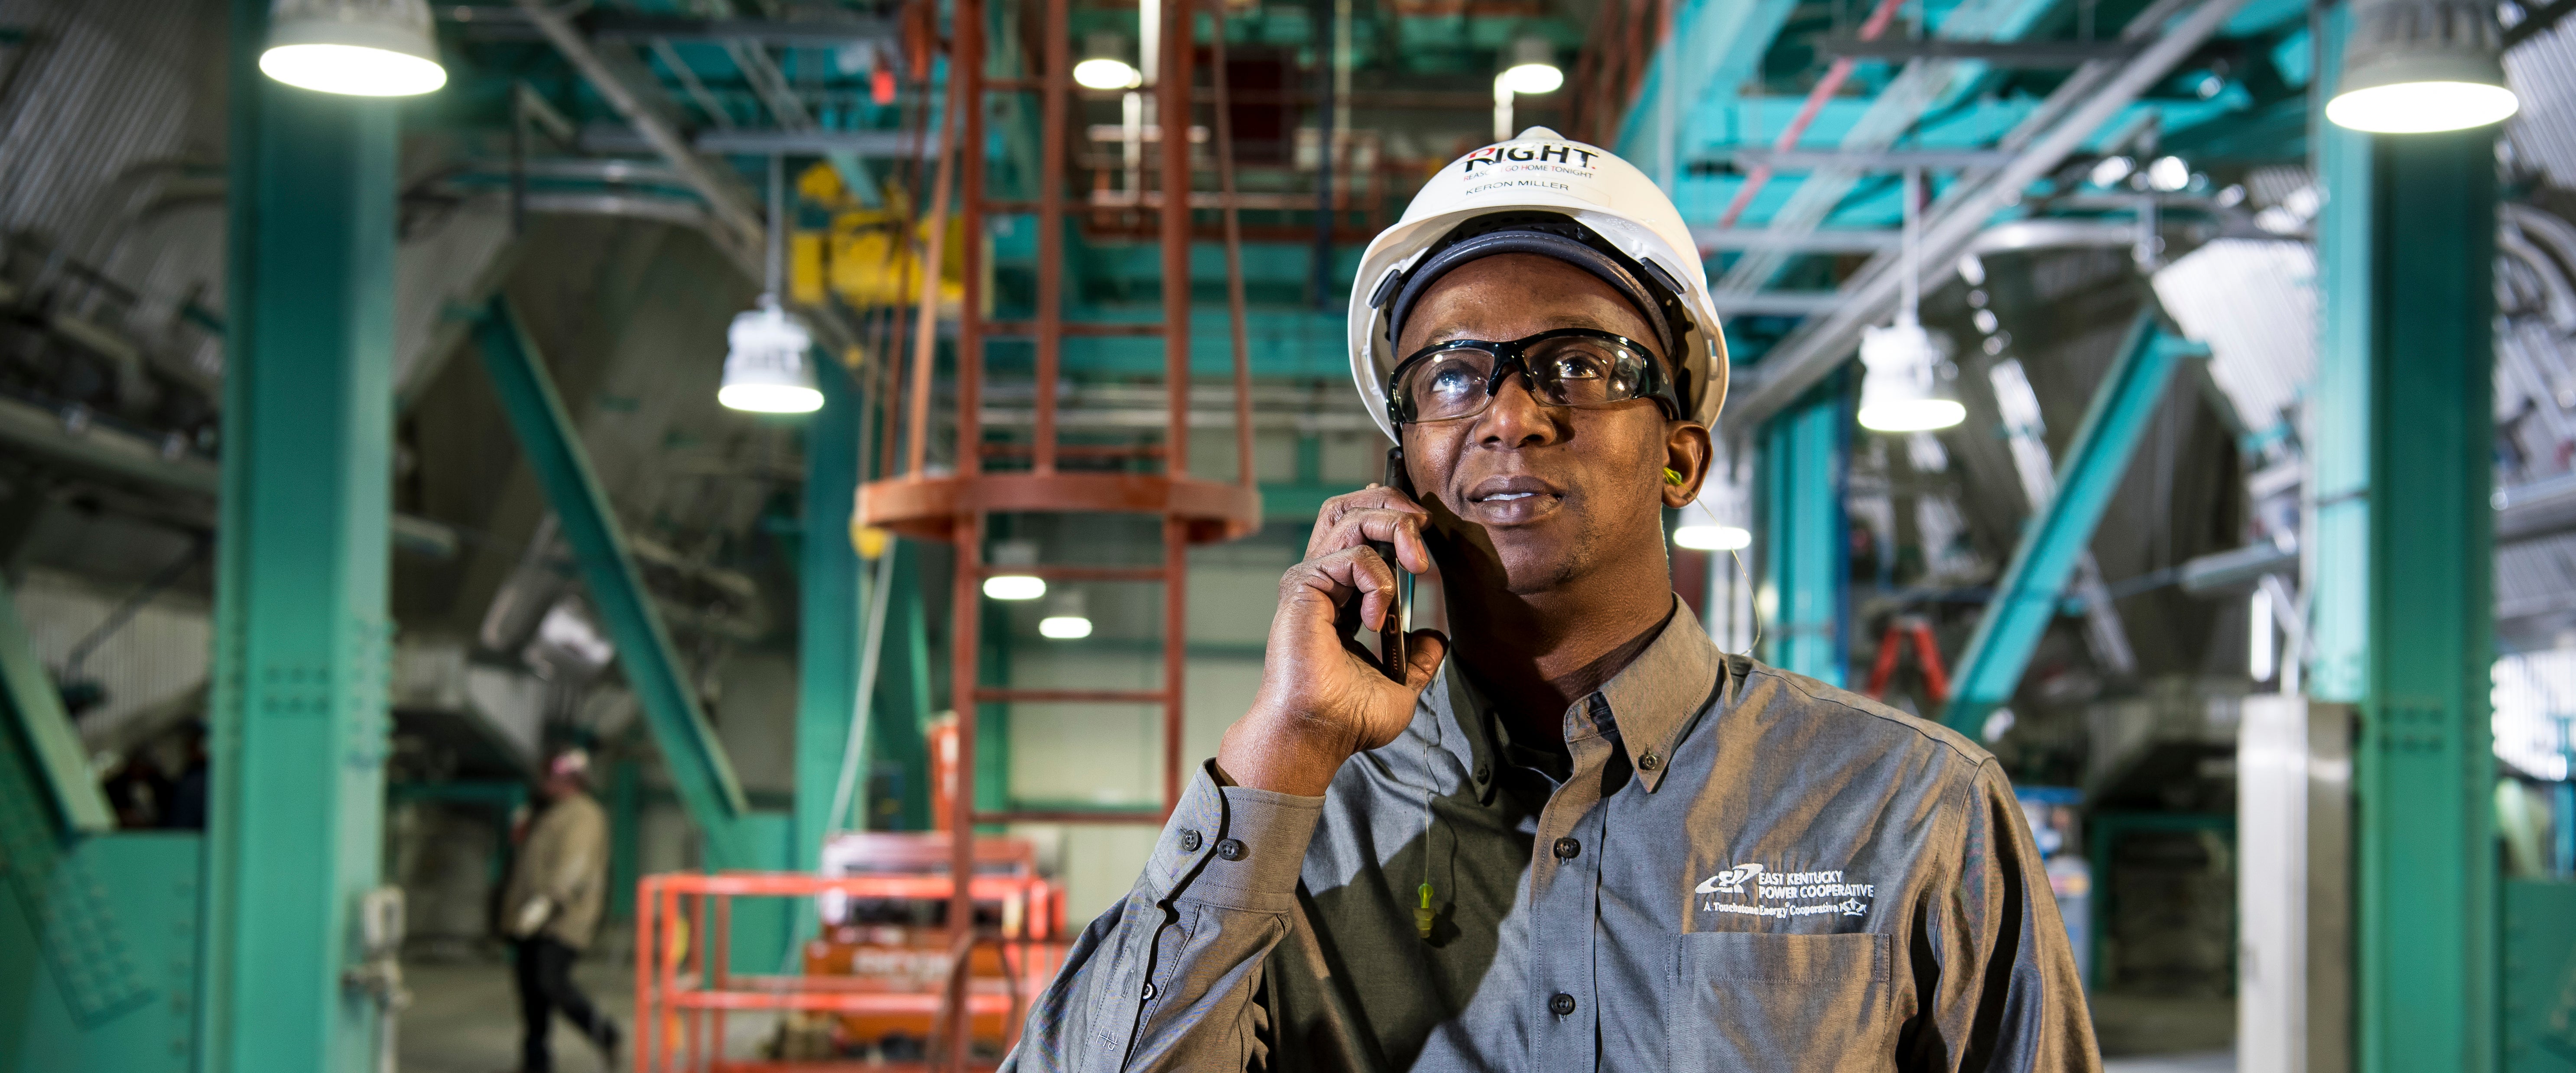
point(1422, 914)
point(1674, 477)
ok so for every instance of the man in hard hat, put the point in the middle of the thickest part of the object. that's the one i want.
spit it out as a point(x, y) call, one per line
point(1583, 838)
point(551, 910)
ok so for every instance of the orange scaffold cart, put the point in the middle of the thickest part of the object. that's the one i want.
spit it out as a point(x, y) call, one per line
point(863, 978)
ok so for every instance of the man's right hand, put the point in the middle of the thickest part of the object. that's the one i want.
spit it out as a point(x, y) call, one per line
point(1322, 696)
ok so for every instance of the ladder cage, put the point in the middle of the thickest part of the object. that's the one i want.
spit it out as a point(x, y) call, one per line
point(1040, 473)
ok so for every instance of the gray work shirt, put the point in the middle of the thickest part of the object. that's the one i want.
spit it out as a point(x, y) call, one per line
point(1745, 870)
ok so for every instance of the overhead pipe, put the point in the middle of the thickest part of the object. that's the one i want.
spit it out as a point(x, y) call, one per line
point(727, 202)
point(1824, 91)
point(1817, 348)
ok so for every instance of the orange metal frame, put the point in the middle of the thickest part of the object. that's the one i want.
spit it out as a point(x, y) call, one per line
point(684, 985)
point(954, 506)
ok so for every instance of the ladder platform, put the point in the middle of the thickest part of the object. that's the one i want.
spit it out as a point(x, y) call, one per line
point(927, 508)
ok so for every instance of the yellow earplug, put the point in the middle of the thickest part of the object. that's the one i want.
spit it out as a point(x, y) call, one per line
point(1423, 916)
point(1673, 477)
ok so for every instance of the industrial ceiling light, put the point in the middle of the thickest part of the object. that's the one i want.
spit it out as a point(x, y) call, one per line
point(1530, 66)
point(1065, 619)
point(2419, 66)
point(1902, 390)
point(767, 369)
point(361, 48)
point(1013, 586)
point(1105, 66)
point(1708, 536)
point(2169, 174)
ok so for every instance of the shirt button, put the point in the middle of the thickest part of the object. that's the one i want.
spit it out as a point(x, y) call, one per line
point(1566, 848)
point(1189, 841)
point(1562, 1005)
point(1230, 849)
point(1650, 761)
point(1483, 772)
point(1149, 992)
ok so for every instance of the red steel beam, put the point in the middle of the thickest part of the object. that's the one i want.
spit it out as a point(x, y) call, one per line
point(1050, 327)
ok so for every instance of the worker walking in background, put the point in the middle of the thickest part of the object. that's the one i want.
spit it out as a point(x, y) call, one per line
point(1583, 838)
point(551, 910)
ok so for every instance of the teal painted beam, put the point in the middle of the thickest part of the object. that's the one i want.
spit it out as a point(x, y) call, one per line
point(2540, 926)
point(1301, 501)
point(1720, 45)
point(828, 605)
point(2404, 545)
point(303, 634)
point(900, 716)
point(1806, 579)
point(35, 710)
point(696, 760)
point(76, 999)
point(2030, 595)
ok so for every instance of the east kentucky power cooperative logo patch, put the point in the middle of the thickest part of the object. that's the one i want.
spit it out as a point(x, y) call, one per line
point(1751, 890)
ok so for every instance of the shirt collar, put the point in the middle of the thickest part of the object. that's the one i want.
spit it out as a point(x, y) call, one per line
point(1655, 697)
point(1651, 701)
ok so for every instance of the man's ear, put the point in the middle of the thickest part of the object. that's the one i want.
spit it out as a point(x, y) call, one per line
point(1688, 449)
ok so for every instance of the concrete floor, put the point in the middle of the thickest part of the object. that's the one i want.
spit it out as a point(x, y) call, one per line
point(2219, 1062)
point(464, 1018)
point(2141, 1026)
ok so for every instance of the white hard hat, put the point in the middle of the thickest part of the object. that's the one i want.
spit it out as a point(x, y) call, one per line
point(1557, 197)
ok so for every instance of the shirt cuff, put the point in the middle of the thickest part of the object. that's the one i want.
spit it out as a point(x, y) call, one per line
point(1233, 845)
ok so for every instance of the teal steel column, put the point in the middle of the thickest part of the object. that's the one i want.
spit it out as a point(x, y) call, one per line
point(2028, 597)
point(2403, 557)
point(1806, 576)
point(901, 713)
point(302, 632)
point(690, 751)
point(829, 627)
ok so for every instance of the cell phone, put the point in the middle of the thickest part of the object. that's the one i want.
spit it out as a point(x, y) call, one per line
point(1390, 636)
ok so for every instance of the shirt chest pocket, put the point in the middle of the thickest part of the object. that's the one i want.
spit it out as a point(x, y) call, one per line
point(1809, 1003)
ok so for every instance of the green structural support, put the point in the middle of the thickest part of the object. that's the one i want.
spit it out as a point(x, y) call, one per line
point(900, 717)
point(98, 931)
point(2402, 593)
point(696, 760)
point(830, 621)
point(2034, 582)
point(2540, 959)
point(61, 766)
point(1806, 583)
point(303, 635)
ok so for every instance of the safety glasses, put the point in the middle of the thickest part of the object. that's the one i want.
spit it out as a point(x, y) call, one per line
point(1565, 367)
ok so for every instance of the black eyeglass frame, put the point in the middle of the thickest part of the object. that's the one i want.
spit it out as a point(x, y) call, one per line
point(1514, 354)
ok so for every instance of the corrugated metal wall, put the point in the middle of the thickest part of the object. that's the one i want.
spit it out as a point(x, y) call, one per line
point(97, 88)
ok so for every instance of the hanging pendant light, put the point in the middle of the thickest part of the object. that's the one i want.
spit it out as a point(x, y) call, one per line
point(1902, 389)
point(360, 48)
point(2420, 66)
point(768, 366)
point(1066, 619)
point(1008, 584)
point(1106, 64)
point(1529, 66)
